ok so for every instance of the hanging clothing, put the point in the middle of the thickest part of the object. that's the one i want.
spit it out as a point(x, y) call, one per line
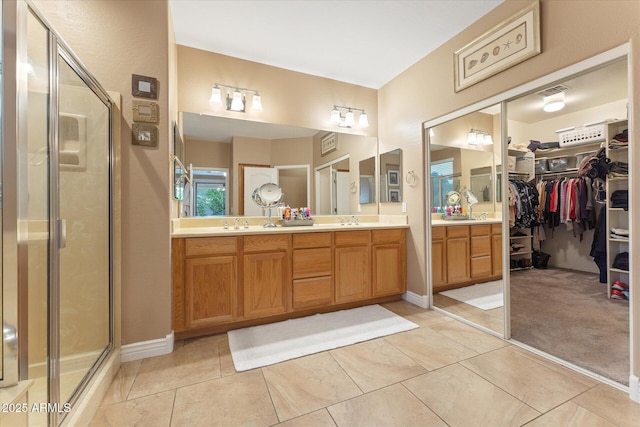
point(599, 244)
point(523, 204)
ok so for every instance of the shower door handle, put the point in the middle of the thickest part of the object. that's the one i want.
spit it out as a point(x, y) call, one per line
point(62, 233)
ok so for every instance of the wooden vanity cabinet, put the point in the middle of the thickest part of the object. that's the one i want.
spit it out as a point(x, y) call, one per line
point(312, 267)
point(480, 251)
point(458, 254)
point(462, 255)
point(206, 284)
point(496, 249)
point(267, 277)
point(438, 257)
point(389, 261)
point(352, 272)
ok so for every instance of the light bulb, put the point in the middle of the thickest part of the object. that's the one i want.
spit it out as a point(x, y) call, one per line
point(335, 115)
point(215, 96)
point(256, 102)
point(487, 140)
point(472, 138)
point(554, 102)
point(363, 121)
point(349, 121)
point(236, 102)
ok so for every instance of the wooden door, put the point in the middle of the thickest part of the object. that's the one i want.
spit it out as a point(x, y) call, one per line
point(389, 270)
point(458, 268)
point(353, 273)
point(496, 254)
point(438, 264)
point(210, 290)
point(266, 284)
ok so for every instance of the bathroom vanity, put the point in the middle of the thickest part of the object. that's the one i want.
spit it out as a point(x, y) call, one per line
point(229, 278)
point(465, 252)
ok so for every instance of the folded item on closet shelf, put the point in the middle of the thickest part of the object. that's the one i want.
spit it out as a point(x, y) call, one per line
point(620, 199)
point(620, 231)
point(622, 136)
point(618, 168)
point(618, 237)
point(621, 286)
point(621, 261)
point(614, 144)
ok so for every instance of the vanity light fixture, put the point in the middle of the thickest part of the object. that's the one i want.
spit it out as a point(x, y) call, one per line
point(345, 117)
point(478, 137)
point(235, 97)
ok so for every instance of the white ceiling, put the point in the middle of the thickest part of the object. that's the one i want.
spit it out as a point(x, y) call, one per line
point(363, 42)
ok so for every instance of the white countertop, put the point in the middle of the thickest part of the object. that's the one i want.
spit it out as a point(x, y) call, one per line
point(440, 222)
point(210, 227)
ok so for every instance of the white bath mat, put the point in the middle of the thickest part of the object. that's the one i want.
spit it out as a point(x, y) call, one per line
point(276, 342)
point(485, 296)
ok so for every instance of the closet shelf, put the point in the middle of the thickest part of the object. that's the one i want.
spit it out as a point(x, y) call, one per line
point(618, 178)
point(566, 171)
point(620, 210)
point(519, 237)
point(618, 270)
point(520, 253)
point(619, 240)
point(521, 268)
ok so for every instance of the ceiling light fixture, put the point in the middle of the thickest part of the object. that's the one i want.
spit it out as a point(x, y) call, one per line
point(479, 137)
point(554, 102)
point(345, 117)
point(236, 97)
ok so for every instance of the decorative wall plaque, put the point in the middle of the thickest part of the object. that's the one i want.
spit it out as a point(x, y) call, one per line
point(145, 135)
point(144, 86)
point(145, 111)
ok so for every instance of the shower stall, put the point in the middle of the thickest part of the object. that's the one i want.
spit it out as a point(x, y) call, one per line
point(57, 221)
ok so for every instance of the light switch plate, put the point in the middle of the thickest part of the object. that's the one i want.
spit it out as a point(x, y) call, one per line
point(359, 208)
point(404, 207)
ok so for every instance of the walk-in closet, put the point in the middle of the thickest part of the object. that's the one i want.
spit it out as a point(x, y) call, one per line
point(569, 221)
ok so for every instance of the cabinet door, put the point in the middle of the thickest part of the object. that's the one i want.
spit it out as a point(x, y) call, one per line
point(267, 284)
point(389, 267)
point(438, 264)
point(496, 254)
point(353, 273)
point(480, 267)
point(210, 291)
point(458, 254)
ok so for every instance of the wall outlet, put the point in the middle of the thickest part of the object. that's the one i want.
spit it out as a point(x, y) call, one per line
point(359, 208)
point(404, 207)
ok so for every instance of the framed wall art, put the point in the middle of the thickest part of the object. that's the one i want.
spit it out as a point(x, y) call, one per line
point(510, 43)
point(328, 143)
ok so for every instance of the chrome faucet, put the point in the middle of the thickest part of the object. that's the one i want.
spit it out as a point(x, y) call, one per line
point(342, 221)
point(226, 225)
point(237, 225)
point(246, 224)
point(354, 220)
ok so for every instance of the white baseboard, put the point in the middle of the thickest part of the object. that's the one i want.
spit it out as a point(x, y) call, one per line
point(415, 299)
point(142, 350)
point(634, 388)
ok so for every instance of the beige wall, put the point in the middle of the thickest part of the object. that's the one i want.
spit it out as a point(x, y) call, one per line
point(115, 39)
point(207, 154)
point(288, 97)
point(566, 40)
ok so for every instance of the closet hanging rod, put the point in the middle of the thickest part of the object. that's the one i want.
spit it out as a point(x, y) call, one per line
point(557, 174)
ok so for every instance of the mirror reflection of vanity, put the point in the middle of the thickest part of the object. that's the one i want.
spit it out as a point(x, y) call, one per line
point(466, 251)
point(231, 149)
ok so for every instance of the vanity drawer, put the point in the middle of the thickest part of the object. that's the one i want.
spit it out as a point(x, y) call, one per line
point(352, 238)
point(480, 246)
point(481, 230)
point(211, 246)
point(438, 233)
point(311, 262)
point(458, 231)
point(269, 242)
point(379, 237)
point(311, 240)
point(312, 292)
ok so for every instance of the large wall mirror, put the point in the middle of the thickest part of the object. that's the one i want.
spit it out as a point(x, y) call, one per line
point(178, 168)
point(391, 176)
point(232, 156)
point(466, 249)
point(367, 170)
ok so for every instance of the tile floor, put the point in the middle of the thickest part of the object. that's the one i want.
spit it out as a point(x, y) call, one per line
point(444, 373)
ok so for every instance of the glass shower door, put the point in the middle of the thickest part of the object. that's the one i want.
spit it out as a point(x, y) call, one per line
point(84, 208)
